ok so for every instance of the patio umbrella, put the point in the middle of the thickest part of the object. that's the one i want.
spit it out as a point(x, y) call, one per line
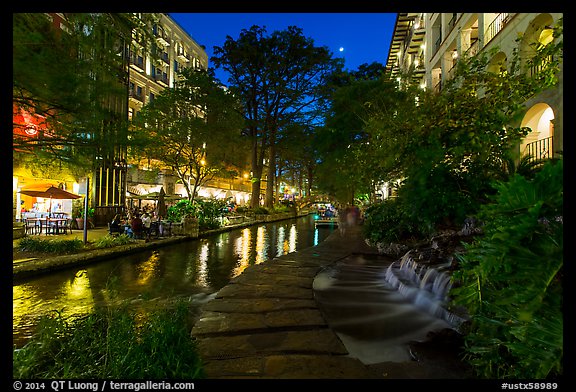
point(161, 207)
point(48, 191)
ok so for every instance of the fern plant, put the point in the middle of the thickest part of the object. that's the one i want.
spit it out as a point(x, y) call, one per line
point(510, 280)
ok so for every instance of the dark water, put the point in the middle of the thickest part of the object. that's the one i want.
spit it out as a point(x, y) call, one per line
point(194, 270)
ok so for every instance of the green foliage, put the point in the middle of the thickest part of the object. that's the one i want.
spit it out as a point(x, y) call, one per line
point(180, 209)
point(345, 145)
point(261, 211)
point(387, 222)
point(109, 241)
point(284, 65)
point(196, 144)
point(31, 244)
point(510, 280)
point(209, 212)
point(48, 72)
point(434, 196)
point(449, 147)
point(117, 344)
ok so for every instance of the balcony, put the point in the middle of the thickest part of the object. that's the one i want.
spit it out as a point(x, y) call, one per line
point(137, 62)
point(473, 49)
point(496, 26)
point(161, 37)
point(540, 149)
point(162, 79)
point(536, 69)
point(182, 56)
point(135, 96)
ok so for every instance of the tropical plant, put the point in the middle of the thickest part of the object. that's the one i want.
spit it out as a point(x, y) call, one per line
point(209, 212)
point(386, 222)
point(180, 209)
point(109, 241)
point(510, 280)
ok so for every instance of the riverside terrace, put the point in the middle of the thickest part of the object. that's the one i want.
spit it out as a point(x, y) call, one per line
point(266, 323)
point(28, 266)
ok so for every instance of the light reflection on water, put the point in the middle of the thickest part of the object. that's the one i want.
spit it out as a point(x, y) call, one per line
point(193, 270)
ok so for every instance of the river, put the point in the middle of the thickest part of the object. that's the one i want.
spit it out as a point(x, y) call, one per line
point(194, 269)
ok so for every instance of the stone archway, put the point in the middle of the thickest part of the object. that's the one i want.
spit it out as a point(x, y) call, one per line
point(498, 64)
point(539, 142)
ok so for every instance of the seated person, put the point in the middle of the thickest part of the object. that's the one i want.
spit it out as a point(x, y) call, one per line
point(137, 226)
point(115, 225)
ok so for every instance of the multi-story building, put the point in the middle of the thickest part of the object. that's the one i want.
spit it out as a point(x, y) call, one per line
point(426, 47)
point(149, 74)
point(151, 71)
point(150, 67)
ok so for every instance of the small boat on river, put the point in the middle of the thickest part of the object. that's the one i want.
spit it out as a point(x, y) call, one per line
point(327, 216)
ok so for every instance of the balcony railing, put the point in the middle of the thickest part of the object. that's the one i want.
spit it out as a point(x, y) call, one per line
point(135, 95)
point(137, 61)
point(535, 69)
point(473, 49)
point(540, 149)
point(497, 24)
point(161, 78)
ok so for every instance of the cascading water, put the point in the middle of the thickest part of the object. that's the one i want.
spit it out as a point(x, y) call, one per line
point(426, 287)
point(379, 307)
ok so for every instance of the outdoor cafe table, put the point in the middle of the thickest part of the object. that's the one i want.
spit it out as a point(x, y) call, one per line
point(44, 223)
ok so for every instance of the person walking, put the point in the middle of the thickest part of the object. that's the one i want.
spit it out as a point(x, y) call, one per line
point(146, 223)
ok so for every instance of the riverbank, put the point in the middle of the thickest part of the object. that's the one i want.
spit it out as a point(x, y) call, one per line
point(266, 324)
point(25, 265)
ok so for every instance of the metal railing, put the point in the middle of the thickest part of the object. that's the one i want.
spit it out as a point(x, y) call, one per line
point(497, 24)
point(540, 149)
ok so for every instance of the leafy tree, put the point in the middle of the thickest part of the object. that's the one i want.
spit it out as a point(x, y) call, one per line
point(73, 81)
point(192, 129)
point(448, 147)
point(279, 79)
point(345, 145)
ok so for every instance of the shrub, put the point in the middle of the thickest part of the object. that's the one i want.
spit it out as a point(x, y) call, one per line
point(387, 222)
point(261, 211)
point(109, 241)
point(30, 244)
point(181, 208)
point(114, 343)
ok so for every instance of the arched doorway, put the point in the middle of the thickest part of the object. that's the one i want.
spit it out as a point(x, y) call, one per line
point(539, 142)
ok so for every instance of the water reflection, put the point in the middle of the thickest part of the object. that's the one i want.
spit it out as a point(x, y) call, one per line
point(191, 269)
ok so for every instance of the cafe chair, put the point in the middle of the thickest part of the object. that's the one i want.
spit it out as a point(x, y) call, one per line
point(50, 228)
point(66, 226)
point(30, 227)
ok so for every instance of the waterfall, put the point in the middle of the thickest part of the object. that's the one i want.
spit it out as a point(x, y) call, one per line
point(426, 287)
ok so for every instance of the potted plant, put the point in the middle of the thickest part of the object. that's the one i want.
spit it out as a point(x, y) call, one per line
point(78, 213)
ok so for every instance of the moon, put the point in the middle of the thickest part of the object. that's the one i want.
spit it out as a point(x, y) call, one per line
point(341, 49)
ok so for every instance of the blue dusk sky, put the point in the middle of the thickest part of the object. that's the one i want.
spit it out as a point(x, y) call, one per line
point(357, 37)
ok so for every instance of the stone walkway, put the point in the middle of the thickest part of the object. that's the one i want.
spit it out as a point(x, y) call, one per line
point(265, 324)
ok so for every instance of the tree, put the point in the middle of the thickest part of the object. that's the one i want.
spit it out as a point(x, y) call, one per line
point(72, 83)
point(449, 147)
point(349, 159)
point(192, 129)
point(279, 79)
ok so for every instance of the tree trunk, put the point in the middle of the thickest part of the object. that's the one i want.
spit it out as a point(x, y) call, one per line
point(269, 201)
